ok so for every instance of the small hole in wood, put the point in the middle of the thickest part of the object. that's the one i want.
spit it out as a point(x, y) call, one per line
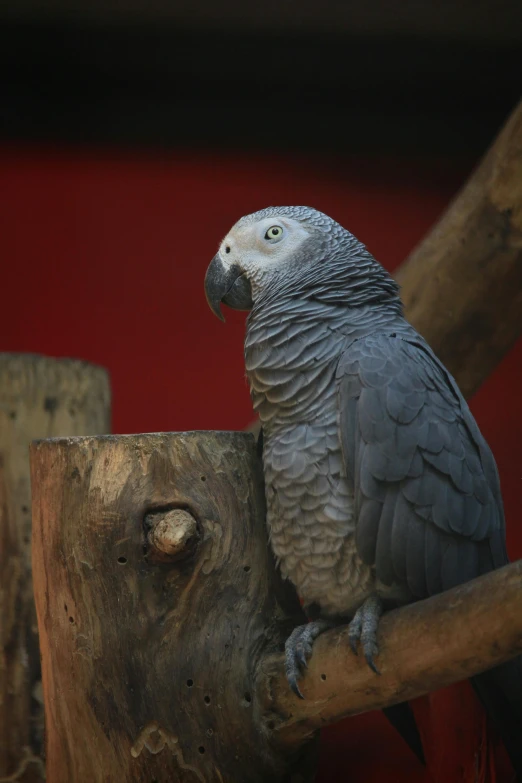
point(207, 699)
point(246, 568)
point(122, 560)
point(201, 749)
point(12, 415)
point(25, 509)
point(323, 676)
point(248, 698)
point(271, 725)
point(65, 607)
point(50, 405)
point(227, 249)
point(190, 683)
point(71, 619)
point(203, 478)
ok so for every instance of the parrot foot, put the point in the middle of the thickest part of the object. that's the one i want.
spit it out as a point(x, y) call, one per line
point(363, 629)
point(298, 649)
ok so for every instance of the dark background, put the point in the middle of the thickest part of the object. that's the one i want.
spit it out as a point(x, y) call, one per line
point(133, 135)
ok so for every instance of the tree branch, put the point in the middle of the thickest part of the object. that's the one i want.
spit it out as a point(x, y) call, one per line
point(424, 646)
point(462, 285)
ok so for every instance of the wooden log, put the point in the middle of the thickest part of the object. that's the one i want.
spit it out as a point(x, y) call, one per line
point(39, 397)
point(162, 619)
point(423, 647)
point(462, 285)
point(157, 598)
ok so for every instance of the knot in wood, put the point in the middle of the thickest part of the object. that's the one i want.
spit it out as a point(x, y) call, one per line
point(172, 535)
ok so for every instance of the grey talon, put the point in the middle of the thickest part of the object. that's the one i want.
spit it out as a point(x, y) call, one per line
point(298, 649)
point(363, 629)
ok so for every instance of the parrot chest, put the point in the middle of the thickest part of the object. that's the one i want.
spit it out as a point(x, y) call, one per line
point(310, 514)
point(310, 507)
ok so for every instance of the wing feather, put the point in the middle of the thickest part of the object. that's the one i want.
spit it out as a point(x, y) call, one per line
point(425, 483)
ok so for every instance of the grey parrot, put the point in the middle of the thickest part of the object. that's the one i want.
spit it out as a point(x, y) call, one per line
point(380, 488)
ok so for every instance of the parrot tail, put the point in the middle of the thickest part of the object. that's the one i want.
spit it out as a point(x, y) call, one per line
point(402, 719)
point(500, 691)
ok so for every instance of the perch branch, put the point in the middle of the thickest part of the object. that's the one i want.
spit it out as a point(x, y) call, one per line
point(424, 646)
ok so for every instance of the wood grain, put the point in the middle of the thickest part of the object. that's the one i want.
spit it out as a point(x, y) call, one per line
point(39, 397)
point(423, 647)
point(148, 668)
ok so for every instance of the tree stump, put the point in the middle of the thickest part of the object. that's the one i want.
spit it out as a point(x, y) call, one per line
point(39, 397)
point(162, 620)
point(158, 600)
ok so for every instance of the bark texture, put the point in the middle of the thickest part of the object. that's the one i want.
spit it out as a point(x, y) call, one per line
point(424, 646)
point(162, 619)
point(462, 286)
point(39, 397)
point(157, 599)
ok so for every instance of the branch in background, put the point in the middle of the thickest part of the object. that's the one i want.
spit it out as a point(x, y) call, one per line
point(39, 397)
point(462, 286)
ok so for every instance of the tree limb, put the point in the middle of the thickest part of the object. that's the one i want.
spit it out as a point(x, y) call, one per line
point(424, 646)
point(462, 285)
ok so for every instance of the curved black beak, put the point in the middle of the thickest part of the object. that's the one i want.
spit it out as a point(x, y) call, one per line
point(226, 284)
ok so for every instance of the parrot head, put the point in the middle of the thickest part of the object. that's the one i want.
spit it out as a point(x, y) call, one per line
point(279, 251)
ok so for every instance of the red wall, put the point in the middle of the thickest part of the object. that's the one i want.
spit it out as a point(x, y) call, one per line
point(103, 256)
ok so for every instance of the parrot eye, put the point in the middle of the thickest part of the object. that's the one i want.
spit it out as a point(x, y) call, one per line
point(274, 233)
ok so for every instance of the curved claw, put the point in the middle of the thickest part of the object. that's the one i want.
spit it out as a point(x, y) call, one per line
point(294, 686)
point(363, 629)
point(371, 664)
point(298, 649)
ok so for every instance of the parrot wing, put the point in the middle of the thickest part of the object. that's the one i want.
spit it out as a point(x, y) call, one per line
point(426, 488)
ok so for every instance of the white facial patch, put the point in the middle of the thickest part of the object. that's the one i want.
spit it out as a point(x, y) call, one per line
point(258, 248)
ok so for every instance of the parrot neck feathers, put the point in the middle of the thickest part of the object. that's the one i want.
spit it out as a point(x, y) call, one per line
point(349, 281)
